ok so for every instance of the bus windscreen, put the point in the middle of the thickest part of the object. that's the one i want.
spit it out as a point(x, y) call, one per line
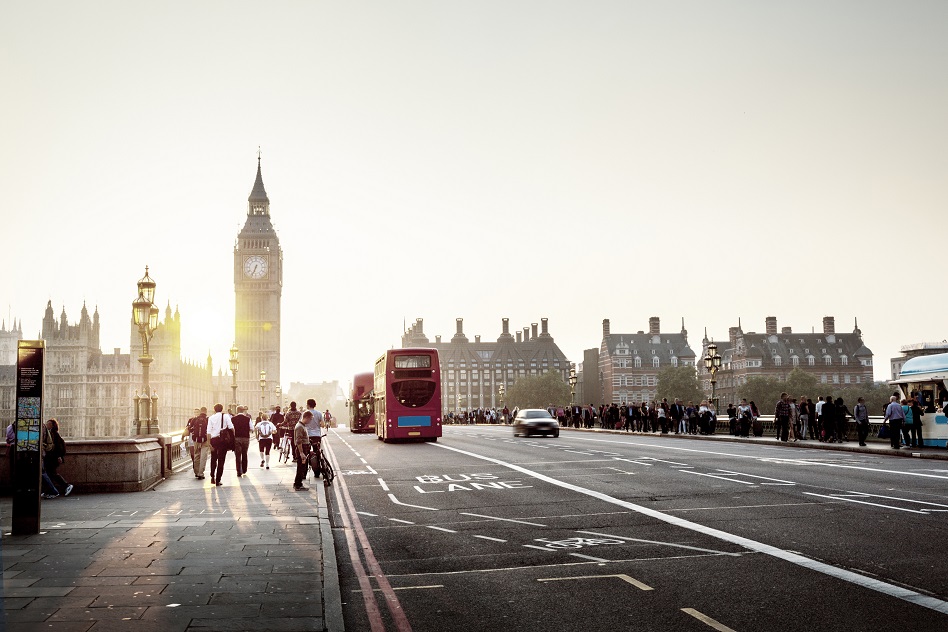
point(413, 362)
point(413, 393)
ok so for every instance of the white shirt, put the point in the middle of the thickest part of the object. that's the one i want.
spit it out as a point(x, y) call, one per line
point(215, 422)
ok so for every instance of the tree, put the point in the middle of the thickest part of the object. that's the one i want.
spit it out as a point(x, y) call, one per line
point(538, 391)
point(763, 391)
point(679, 382)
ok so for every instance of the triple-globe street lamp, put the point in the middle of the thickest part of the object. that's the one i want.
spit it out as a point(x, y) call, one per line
point(712, 362)
point(145, 317)
point(572, 385)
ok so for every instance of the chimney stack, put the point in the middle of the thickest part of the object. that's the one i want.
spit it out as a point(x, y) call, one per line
point(519, 336)
point(771, 325)
point(477, 338)
point(544, 327)
point(460, 324)
point(526, 334)
point(506, 322)
point(653, 326)
point(533, 331)
point(437, 340)
point(786, 330)
point(829, 325)
point(605, 327)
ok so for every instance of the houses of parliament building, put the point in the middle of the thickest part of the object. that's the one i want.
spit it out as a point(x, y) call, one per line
point(91, 392)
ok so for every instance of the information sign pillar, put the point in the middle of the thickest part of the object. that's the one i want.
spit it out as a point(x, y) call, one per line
point(27, 472)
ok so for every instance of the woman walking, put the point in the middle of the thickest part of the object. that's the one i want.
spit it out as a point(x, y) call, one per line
point(54, 456)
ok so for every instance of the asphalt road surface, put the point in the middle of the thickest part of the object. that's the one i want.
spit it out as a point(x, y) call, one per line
point(484, 531)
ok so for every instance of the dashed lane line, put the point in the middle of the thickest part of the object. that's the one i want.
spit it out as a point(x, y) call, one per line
point(865, 502)
point(590, 557)
point(622, 576)
point(441, 529)
point(531, 524)
point(721, 478)
point(401, 521)
point(487, 537)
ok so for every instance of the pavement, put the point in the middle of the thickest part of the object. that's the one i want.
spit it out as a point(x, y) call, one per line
point(253, 554)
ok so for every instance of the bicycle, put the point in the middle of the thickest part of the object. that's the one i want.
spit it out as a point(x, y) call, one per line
point(323, 465)
point(286, 448)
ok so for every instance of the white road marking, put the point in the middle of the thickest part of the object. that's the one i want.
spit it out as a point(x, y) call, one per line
point(905, 594)
point(370, 468)
point(363, 460)
point(722, 478)
point(487, 537)
point(384, 486)
point(589, 557)
point(905, 500)
point(532, 524)
point(747, 506)
point(766, 478)
point(631, 461)
point(720, 627)
point(533, 546)
point(441, 529)
point(401, 521)
point(759, 458)
point(863, 502)
point(671, 544)
point(621, 576)
point(398, 502)
point(366, 513)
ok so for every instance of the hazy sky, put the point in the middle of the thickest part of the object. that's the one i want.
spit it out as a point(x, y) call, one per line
point(569, 160)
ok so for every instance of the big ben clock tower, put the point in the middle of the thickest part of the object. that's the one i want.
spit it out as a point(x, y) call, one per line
point(258, 285)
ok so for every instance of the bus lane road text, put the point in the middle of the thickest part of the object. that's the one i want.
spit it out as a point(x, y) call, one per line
point(440, 483)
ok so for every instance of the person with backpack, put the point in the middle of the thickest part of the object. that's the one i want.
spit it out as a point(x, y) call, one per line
point(55, 454)
point(264, 430)
point(197, 430)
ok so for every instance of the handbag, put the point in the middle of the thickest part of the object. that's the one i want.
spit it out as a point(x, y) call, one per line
point(227, 436)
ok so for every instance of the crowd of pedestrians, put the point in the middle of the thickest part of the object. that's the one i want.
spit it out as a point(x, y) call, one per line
point(211, 437)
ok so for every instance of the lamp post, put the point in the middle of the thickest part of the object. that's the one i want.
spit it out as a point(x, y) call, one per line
point(145, 317)
point(278, 391)
point(234, 363)
point(712, 362)
point(572, 385)
point(263, 388)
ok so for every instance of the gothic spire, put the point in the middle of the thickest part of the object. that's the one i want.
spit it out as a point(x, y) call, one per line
point(259, 193)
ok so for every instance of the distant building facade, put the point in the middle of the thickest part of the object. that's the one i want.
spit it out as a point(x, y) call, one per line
point(914, 351)
point(832, 358)
point(90, 392)
point(629, 363)
point(472, 372)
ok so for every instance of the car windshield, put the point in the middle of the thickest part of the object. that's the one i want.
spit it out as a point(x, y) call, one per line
point(537, 414)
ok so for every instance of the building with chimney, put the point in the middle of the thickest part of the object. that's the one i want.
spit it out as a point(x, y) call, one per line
point(831, 357)
point(629, 363)
point(472, 371)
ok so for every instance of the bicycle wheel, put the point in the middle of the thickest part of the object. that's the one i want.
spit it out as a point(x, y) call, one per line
point(328, 473)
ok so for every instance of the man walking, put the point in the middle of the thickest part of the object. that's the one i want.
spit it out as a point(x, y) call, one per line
point(241, 423)
point(215, 423)
point(302, 445)
point(895, 416)
point(197, 428)
point(314, 429)
point(782, 417)
point(861, 415)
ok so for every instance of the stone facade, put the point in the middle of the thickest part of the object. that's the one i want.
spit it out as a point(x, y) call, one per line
point(472, 372)
point(830, 357)
point(258, 288)
point(629, 364)
point(90, 392)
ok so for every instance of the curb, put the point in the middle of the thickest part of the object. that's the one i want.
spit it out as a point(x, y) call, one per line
point(332, 597)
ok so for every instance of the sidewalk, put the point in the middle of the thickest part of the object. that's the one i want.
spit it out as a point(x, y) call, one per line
point(251, 555)
point(873, 446)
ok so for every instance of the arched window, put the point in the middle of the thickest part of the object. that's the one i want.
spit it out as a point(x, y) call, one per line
point(655, 362)
point(638, 362)
point(827, 359)
point(844, 360)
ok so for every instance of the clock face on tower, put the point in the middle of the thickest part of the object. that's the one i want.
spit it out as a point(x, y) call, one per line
point(256, 266)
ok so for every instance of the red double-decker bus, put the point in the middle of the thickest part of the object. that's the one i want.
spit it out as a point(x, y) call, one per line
point(408, 395)
point(361, 417)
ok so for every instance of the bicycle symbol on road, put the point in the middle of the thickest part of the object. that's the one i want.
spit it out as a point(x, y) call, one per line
point(576, 543)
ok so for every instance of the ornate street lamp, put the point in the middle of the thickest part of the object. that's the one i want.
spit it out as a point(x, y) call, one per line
point(278, 391)
point(145, 317)
point(712, 362)
point(263, 388)
point(572, 385)
point(234, 364)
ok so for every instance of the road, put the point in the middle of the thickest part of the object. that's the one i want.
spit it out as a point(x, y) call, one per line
point(484, 531)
